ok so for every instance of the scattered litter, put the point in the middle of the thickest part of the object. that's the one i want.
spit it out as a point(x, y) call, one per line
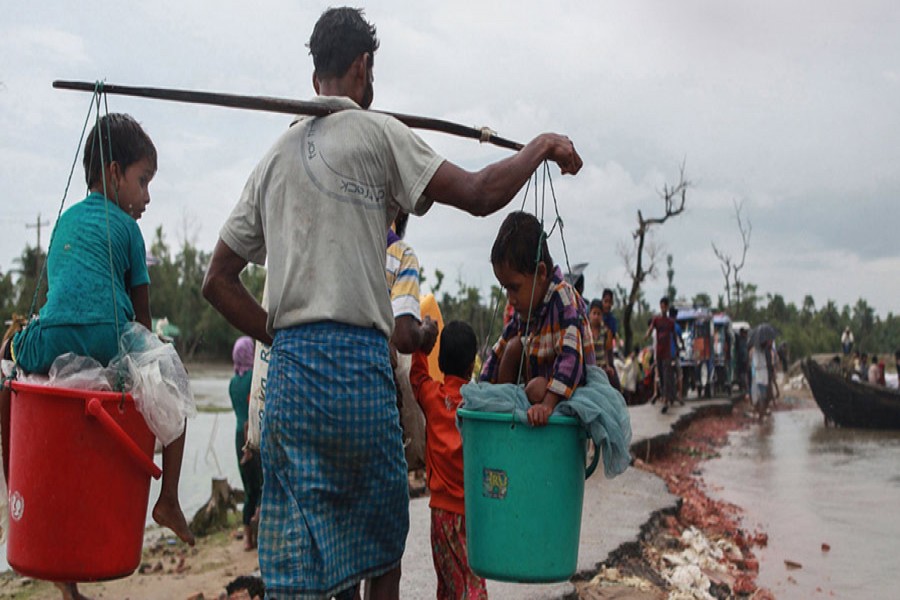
point(792, 565)
point(612, 576)
point(825, 547)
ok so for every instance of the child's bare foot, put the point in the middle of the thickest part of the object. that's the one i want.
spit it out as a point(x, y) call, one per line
point(168, 514)
point(70, 591)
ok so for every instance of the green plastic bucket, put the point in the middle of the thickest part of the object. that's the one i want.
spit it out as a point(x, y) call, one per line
point(524, 489)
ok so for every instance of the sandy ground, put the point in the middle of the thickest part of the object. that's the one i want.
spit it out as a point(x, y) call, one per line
point(169, 571)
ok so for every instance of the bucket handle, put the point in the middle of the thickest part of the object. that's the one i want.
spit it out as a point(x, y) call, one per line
point(94, 408)
point(589, 470)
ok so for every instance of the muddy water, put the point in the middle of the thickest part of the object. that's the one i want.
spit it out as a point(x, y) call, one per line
point(808, 485)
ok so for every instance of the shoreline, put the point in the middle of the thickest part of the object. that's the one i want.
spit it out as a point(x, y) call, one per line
point(701, 548)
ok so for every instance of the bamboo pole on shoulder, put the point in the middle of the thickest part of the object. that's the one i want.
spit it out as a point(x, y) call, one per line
point(282, 105)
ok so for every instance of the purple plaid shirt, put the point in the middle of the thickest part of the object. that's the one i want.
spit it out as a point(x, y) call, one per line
point(558, 343)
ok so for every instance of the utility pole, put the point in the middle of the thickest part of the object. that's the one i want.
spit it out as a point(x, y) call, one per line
point(37, 225)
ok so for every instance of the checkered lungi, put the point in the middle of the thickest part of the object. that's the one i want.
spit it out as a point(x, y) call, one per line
point(335, 504)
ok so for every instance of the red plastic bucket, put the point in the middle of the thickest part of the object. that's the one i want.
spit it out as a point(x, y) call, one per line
point(79, 479)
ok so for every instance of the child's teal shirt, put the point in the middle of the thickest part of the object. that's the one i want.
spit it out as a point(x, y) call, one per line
point(82, 281)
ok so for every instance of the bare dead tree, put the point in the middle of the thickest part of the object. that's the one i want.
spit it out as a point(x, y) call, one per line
point(726, 266)
point(730, 267)
point(673, 198)
point(745, 246)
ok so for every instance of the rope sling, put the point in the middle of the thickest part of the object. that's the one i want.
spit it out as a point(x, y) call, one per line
point(97, 99)
point(540, 202)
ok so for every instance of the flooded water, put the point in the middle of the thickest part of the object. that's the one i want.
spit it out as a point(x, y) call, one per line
point(807, 485)
point(209, 446)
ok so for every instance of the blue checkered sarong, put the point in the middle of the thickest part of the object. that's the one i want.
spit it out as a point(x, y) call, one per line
point(335, 503)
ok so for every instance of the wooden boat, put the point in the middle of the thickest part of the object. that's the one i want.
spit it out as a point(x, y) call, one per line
point(847, 403)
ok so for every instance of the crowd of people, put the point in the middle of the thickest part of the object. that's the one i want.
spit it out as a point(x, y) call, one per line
point(859, 366)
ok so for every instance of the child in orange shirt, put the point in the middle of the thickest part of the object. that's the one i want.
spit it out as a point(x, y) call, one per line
point(443, 459)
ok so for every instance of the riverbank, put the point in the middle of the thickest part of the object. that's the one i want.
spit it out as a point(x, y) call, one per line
point(702, 549)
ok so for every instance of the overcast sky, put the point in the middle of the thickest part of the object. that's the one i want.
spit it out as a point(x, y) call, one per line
point(792, 108)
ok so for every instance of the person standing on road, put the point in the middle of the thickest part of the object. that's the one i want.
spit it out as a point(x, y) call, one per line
point(316, 209)
point(664, 327)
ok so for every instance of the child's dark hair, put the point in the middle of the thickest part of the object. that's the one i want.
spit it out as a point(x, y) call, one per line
point(458, 347)
point(400, 222)
point(607, 292)
point(596, 303)
point(122, 140)
point(341, 35)
point(517, 244)
point(253, 585)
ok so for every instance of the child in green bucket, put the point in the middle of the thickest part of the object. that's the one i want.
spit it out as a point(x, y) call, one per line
point(549, 331)
point(444, 459)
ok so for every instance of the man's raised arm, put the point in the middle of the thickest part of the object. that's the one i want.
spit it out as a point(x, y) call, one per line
point(486, 191)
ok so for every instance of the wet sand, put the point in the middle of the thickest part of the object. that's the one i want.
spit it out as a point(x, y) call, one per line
point(168, 570)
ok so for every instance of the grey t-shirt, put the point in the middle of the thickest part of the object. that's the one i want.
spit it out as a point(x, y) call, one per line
point(317, 207)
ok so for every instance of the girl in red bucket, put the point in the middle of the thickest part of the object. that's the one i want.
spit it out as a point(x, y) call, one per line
point(96, 243)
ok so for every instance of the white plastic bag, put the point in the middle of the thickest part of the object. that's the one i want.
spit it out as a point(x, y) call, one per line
point(258, 394)
point(70, 370)
point(156, 378)
point(258, 386)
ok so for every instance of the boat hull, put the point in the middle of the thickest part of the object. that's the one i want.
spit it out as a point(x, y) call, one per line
point(852, 404)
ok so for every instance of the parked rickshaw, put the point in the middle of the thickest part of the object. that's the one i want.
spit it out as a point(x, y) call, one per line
point(697, 367)
point(723, 341)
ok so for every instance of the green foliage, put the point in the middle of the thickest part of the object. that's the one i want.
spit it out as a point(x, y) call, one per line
point(175, 293)
point(811, 331)
point(702, 299)
point(28, 270)
point(671, 291)
point(467, 305)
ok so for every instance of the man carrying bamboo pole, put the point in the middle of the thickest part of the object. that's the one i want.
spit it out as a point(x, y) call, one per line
point(317, 208)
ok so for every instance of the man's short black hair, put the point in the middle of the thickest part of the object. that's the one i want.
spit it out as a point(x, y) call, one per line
point(122, 140)
point(664, 300)
point(596, 303)
point(458, 348)
point(607, 292)
point(521, 243)
point(253, 585)
point(339, 37)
